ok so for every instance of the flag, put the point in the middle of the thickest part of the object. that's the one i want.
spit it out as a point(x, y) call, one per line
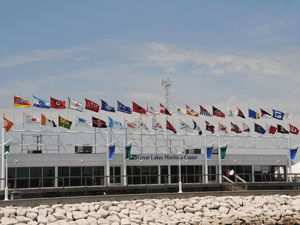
point(181, 111)
point(294, 130)
point(138, 109)
point(113, 122)
point(98, 123)
point(157, 126)
point(222, 128)
point(230, 112)
point(240, 113)
point(123, 108)
point(75, 105)
point(152, 110)
point(82, 122)
point(272, 129)
point(259, 129)
point(264, 114)
point(30, 119)
point(142, 125)
point(106, 107)
point(246, 128)
point(210, 127)
point(90, 105)
point(130, 124)
point(204, 112)
point(281, 129)
point(41, 103)
point(217, 112)
point(128, 151)
point(170, 127)
point(7, 124)
point(278, 115)
point(64, 123)
point(112, 149)
point(21, 102)
point(57, 104)
point(288, 115)
point(164, 110)
point(223, 151)
point(209, 152)
point(191, 112)
point(253, 114)
point(196, 127)
point(235, 128)
point(47, 122)
point(293, 153)
point(185, 126)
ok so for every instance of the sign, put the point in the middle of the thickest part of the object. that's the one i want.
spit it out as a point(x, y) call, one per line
point(163, 157)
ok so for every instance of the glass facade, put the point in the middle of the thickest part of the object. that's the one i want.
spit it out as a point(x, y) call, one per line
point(142, 174)
point(189, 174)
point(31, 177)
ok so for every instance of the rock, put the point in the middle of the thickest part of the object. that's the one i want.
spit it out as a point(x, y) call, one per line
point(103, 213)
point(8, 221)
point(125, 221)
point(59, 216)
point(42, 219)
point(77, 215)
point(82, 222)
point(23, 219)
point(21, 211)
point(31, 215)
point(92, 220)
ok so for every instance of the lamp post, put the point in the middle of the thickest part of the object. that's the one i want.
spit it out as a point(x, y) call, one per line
point(179, 168)
point(6, 170)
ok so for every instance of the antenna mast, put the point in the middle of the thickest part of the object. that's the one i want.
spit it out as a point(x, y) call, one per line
point(166, 83)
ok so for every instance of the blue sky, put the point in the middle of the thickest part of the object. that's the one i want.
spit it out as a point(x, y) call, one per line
point(223, 53)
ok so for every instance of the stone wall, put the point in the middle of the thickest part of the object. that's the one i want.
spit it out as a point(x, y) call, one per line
point(280, 209)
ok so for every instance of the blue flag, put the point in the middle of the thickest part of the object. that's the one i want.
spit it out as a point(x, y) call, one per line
point(293, 153)
point(278, 115)
point(41, 103)
point(113, 122)
point(259, 129)
point(209, 151)
point(111, 151)
point(253, 114)
point(106, 107)
point(123, 108)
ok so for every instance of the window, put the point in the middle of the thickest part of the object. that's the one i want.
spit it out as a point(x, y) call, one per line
point(75, 176)
point(48, 176)
point(23, 177)
point(115, 175)
point(164, 172)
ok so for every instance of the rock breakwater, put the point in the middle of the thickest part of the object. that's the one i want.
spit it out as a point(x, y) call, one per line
point(276, 209)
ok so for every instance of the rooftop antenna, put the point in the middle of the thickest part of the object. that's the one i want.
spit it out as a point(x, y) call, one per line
point(166, 83)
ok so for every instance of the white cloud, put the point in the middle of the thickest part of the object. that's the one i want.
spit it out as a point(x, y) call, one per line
point(39, 55)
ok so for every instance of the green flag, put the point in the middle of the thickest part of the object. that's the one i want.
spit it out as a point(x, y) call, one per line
point(64, 123)
point(223, 152)
point(128, 152)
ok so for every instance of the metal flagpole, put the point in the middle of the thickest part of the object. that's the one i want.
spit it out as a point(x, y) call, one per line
point(124, 156)
point(205, 163)
point(220, 166)
point(289, 160)
point(107, 158)
point(2, 159)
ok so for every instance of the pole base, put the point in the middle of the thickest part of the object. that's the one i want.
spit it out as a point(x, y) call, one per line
point(6, 194)
point(180, 187)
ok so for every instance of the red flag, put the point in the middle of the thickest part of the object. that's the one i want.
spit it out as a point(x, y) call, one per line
point(90, 105)
point(246, 128)
point(294, 130)
point(272, 129)
point(170, 127)
point(138, 109)
point(57, 104)
point(235, 128)
point(164, 110)
point(210, 127)
point(7, 124)
point(240, 113)
point(217, 112)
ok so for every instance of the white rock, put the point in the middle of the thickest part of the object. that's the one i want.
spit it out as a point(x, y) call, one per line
point(103, 213)
point(8, 221)
point(60, 211)
point(51, 218)
point(21, 211)
point(125, 221)
point(31, 215)
point(82, 222)
point(77, 215)
point(92, 220)
point(42, 219)
point(59, 216)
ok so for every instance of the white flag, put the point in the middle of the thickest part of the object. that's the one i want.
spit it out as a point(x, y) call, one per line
point(75, 105)
point(157, 126)
point(82, 122)
point(30, 119)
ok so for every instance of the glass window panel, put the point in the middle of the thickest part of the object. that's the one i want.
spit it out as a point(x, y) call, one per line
point(23, 172)
point(99, 171)
point(11, 172)
point(154, 170)
point(117, 171)
point(75, 171)
point(145, 170)
point(35, 172)
point(87, 171)
point(48, 171)
point(63, 171)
